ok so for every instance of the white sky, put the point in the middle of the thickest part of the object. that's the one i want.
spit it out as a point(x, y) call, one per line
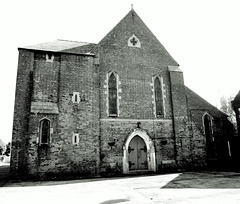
point(203, 36)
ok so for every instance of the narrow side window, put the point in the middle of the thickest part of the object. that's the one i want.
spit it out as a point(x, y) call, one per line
point(44, 131)
point(158, 97)
point(76, 97)
point(207, 124)
point(207, 128)
point(112, 95)
point(75, 139)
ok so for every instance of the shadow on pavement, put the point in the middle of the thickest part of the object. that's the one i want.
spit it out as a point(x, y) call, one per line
point(23, 183)
point(200, 180)
point(4, 174)
point(205, 180)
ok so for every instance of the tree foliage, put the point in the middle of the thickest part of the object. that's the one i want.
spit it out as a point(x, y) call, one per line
point(1, 150)
point(8, 149)
point(226, 107)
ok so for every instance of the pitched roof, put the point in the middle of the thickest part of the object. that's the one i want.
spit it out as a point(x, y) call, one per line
point(74, 47)
point(81, 49)
point(197, 103)
point(131, 25)
point(130, 21)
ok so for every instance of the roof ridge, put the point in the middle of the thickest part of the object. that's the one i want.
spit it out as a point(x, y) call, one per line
point(74, 41)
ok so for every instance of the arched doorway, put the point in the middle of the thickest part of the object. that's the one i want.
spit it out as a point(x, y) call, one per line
point(138, 153)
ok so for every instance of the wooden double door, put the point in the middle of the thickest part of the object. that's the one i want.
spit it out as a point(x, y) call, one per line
point(137, 154)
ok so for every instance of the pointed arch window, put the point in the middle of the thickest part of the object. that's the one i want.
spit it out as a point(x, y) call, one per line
point(158, 97)
point(44, 131)
point(208, 131)
point(207, 124)
point(112, 95)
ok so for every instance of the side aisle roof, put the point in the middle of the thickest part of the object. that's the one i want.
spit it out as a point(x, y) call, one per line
point(72, 47)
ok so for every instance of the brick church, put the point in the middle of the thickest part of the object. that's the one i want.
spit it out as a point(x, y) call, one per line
point(112, 108)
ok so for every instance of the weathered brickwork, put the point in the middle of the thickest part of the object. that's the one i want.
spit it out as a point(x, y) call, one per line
point(117, 131)
point(69, 89)
point(79, 74)
point(135, 67)
point(217, 150)
point(180, 119)
point(21, 112)
point(46, 77)
point(51, 98)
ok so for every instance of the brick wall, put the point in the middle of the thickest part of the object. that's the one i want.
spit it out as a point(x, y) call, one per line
point(47, 84)
point(118, 130)
point(21, 113)
point(61, 156)
point(79, 74)
point(217, 152)
point(180, 117)
point(136, 67)
point(46, 77)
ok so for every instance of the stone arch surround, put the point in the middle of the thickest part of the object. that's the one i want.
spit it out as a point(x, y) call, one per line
point(150, 150)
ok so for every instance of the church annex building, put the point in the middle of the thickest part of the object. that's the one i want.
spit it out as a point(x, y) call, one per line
point(112, 108)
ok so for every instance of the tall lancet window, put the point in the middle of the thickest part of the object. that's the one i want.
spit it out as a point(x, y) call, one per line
point(44, 131)
point(112, 95)
point(158, 97)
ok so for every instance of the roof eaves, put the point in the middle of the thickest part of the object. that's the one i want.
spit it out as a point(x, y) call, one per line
point(61, 52)
point(191, 94)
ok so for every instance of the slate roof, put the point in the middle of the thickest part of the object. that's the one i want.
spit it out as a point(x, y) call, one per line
point(129, 22)
point(67, 46)
point(81, 49)
point(197, 103)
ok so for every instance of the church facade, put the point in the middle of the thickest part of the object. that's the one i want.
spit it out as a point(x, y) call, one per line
point(116, 107)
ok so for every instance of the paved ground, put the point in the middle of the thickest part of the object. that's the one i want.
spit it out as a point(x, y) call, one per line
point(190, 187)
